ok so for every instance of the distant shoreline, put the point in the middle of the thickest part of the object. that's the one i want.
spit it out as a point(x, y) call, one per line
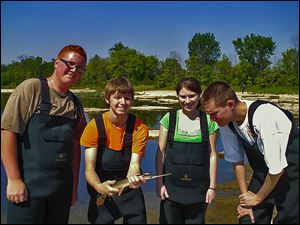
point(287, 101)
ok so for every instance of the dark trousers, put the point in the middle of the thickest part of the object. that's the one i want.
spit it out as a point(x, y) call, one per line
point(176, 213)
point(130, 205)
point(53, 210)
point(285, 197)
point(262, 214)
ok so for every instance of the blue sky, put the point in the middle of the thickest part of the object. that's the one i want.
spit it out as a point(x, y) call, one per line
point(152, 28)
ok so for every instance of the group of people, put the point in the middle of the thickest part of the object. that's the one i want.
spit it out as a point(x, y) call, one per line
point(43, 126)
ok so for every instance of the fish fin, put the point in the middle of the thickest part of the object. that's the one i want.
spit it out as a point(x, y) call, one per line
point(100, 199)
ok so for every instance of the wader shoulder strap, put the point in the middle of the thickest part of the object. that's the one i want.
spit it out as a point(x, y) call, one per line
point(77, 107)
point(129, 130)
point(257, 103)
point(231, 126)
point(204, 126)
point(172, 125)
point(45, 105)
point(101, 131)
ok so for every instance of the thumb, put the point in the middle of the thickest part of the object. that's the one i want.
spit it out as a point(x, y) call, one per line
point(206, 199)
point(111, 182)
point(252, 217)
point(166, 194)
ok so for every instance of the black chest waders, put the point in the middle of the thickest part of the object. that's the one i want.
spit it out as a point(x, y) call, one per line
point(189, 165)
point(45, 154)
point(285, 195)
point(189, 182)
point(114, 165)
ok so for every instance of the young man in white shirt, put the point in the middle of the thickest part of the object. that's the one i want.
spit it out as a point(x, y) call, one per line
point(270, 138)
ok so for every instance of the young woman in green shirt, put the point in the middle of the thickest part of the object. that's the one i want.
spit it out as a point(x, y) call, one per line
point(187, 149)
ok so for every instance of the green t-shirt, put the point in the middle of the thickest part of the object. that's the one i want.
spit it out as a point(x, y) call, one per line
point(182, 136)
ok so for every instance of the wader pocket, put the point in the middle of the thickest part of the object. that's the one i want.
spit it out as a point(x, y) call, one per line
point(179, 159)
point(57, 151)
point(188, 171)
point(58, 135)
point(115, 160)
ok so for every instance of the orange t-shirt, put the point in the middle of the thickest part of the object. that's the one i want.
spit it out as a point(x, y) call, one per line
point(115, 136)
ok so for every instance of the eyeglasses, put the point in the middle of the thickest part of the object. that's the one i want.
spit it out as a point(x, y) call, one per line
point(72, 65)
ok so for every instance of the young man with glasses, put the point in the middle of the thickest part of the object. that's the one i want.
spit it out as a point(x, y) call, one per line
point(40, 130)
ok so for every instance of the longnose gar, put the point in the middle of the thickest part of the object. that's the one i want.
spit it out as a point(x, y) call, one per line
point(121, 184)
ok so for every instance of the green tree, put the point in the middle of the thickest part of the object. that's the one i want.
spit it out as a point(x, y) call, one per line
point(243, 74)
point(17, 72)
point(172, 72)
point(204, 48)
point(256, 50)
point(288, 68)
point(124, 61)
point(117, 47)
point(96, 71)
point(224, 70)
point(152, 67)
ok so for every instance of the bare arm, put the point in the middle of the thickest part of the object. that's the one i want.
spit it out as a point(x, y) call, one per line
point(252, 199)
point(135, 170)
point(16, 189)
point(211, 194)
point(159, 157)
point(240, 174)
point(159, 162)
point(92, 177)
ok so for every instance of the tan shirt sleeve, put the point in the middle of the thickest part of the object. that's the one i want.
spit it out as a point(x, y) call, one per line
point(24, 102)
point(21, 105)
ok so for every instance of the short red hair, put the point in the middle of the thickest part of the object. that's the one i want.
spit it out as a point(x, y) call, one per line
point(72, 48)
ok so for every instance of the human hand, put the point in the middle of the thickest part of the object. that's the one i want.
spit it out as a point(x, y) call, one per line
point(210, 196)
point(106, 188)
point(16, 191)
point(243, 211)
point(136, 181)
point(163, 193)
point(248, 199)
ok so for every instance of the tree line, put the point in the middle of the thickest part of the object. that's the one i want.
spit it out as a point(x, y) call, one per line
point(205, 62)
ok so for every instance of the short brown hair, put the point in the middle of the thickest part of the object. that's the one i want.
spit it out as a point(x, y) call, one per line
point(119, 84)
point(72, 48)
point(220, 92)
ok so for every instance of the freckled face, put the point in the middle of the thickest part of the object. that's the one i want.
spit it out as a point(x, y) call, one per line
point(188, 100)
